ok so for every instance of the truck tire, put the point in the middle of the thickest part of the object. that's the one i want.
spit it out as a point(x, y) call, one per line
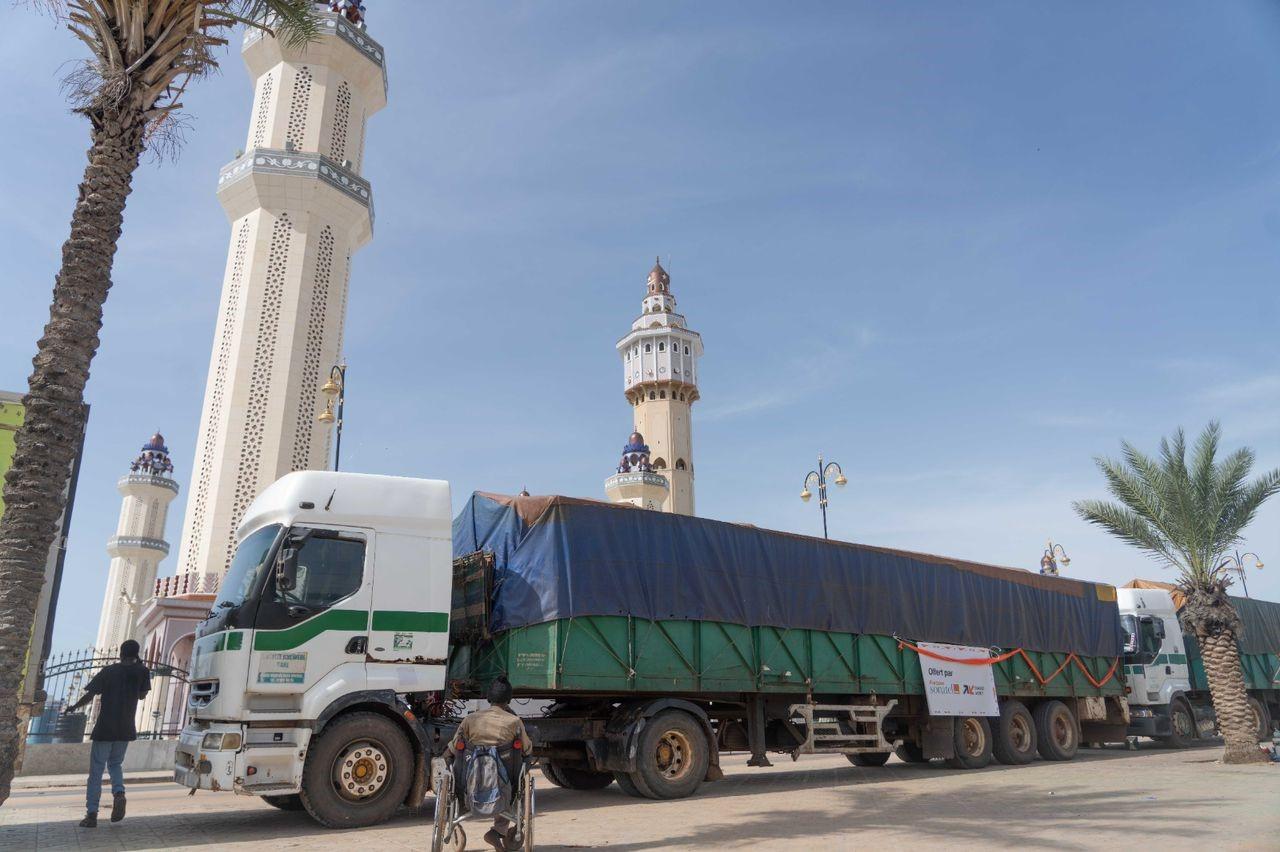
point(1057, 734)
point(909, 752)
point(572, 778)
point(672, 756)
point(972, 742)
point(869, 758)
point(1262, 718)
point(1014, 743)
point(1182, 725)
point(287, 802)
point(550, 773)
point(358, 772)
point(627, 785)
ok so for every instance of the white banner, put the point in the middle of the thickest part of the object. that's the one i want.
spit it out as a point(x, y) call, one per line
point(957, 689)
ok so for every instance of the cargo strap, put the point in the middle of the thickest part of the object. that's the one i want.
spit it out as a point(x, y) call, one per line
point(1000, 658)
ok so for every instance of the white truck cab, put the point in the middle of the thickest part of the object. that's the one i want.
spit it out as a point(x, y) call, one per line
point(1162, 703)
point(334, 610)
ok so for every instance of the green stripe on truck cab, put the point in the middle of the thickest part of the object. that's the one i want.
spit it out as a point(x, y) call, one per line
point(292, 637)
point(411, 622)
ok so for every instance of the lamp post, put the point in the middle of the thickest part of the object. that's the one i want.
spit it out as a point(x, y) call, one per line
point(819, 478)
point(1049, 562)
point(1236, 563)
point(335, 386)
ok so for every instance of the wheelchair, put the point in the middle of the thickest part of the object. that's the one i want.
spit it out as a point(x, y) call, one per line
point(452, 808)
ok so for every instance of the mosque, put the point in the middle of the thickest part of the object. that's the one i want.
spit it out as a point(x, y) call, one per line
point(299, 209)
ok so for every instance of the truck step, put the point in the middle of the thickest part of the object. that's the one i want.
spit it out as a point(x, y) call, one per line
point(842, 728)
point(270, 789)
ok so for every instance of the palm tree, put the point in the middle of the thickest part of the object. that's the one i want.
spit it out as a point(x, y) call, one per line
point(1188, 517)
point(142, 56)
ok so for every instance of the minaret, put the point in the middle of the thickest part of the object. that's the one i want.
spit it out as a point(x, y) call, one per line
point(660, 362)
point(635, 481)
point(139, 544)
point(298, 209)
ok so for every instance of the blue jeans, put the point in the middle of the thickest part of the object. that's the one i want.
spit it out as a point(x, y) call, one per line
point(109, 756)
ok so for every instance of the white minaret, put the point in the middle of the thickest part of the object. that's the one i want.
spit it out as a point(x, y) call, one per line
point(298, 209)
point(139, 544)
point(660, 362)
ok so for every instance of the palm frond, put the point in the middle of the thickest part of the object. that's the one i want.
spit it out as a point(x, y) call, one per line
point(1189, 516)
point(1129, 526)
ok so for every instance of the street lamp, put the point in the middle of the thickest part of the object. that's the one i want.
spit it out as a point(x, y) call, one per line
point(335, 386)
point(1236, 563)
point(1049, 562)
point(819, 478)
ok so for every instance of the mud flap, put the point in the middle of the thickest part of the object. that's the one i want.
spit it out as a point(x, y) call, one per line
point(938, 737)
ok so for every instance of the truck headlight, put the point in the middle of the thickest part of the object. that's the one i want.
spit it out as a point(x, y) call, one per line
point(221, 742)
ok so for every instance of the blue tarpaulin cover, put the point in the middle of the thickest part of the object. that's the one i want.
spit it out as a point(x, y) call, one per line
point(559, 557)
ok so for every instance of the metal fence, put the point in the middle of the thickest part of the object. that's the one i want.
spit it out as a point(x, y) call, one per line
point(63, 677)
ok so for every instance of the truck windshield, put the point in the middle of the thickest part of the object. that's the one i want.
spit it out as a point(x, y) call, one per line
point(247, 567)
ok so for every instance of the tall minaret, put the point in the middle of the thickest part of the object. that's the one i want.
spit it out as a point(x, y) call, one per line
point(660, 361)
point(298, 209)
point(139, 544)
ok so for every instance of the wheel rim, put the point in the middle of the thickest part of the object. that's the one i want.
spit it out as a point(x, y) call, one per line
point(673, 755)
point(1182, 722)
point(972, 737)
point(1020, 734)
point(1064, 733)
point(361, 770)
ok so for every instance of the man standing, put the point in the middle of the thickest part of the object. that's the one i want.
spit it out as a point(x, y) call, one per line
point(119, 686)
point(494, 726)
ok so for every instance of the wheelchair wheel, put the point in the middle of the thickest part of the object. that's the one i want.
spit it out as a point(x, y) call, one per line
point(524, 814)
point(446, 834)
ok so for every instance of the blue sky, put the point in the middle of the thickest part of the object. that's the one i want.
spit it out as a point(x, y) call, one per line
point(961, 250)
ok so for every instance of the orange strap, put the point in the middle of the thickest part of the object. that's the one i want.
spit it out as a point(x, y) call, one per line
point(991, 661)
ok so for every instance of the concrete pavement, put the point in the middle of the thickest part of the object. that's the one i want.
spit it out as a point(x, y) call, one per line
point(1112, 798)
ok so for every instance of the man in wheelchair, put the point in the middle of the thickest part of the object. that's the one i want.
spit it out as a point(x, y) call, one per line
point(485, 734)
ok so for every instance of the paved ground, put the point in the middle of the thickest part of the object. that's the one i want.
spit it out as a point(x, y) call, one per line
point(1154, 799)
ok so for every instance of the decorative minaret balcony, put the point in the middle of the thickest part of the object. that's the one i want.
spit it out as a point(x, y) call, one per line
point(636, 482)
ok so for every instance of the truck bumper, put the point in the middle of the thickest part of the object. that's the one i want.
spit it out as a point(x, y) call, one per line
point(204, 769)
point(1152, 725)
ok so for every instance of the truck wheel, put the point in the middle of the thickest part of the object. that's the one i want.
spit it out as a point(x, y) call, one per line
point(579, 779)
point(626, 785)
point(869, 758)
point(909, 752)
point(672, 757)
point(1057, 735)
point(1015, 736)
point(1261, 718)
point(550, 773)
point(288, 802)
point(972, 742)
point(1182, 725)
point(358, 773)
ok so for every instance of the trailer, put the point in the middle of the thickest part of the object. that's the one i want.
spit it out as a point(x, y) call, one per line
point(665, 640)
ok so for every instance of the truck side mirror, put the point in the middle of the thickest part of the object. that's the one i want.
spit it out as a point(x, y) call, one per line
point(287, 569)
point(1159, 625)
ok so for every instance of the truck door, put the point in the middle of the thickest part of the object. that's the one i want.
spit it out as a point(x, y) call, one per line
point(312, 618)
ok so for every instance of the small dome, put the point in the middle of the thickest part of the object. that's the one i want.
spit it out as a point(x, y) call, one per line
point(156, 443)
point(659, 280)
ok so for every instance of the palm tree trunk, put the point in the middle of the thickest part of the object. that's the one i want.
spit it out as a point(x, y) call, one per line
point(46, 443)
point(1230, 701)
